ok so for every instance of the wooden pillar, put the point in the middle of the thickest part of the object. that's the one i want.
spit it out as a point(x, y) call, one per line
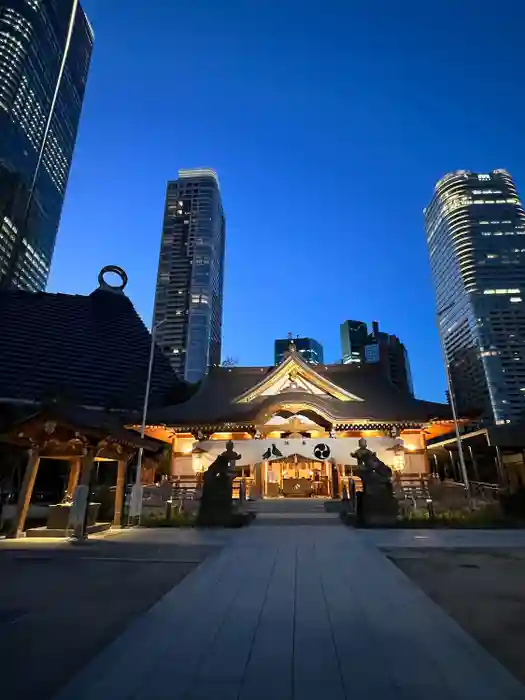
point(74, 473)
point(258, 480)
point(79, 509)
point(453, 466)
point(26, 491)
point(501, 468)
point(474, 461)
point(119, 493)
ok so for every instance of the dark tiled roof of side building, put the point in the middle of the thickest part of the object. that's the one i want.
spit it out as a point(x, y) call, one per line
point(381, 401)
point(91, 350)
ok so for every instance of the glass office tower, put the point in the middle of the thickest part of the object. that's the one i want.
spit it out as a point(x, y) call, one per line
point(475, 227)
point(354, 337)
point(361, 347)
point(188, 299)
point(310, 350)
point(45, 51)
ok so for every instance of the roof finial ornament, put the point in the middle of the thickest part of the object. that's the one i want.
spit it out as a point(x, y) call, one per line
point(291, 343)
point(102, 284)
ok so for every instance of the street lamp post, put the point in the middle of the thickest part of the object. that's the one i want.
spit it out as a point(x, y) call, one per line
point(136, 492)
point(452, 397)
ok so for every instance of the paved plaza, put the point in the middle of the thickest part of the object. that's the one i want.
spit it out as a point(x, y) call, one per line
point(295, 612)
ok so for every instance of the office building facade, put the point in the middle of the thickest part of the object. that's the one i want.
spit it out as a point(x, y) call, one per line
point(309, 349)
point(45, 52)
point(188, 298)
point(361, 347)
point(475, 228)
point(354, 336)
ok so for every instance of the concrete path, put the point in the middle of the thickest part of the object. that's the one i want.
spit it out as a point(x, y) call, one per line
point(294, 612)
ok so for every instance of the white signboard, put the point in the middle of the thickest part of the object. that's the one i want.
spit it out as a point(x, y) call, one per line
point(334, 450)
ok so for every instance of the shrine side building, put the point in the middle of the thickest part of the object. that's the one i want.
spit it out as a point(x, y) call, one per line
point(296, 425)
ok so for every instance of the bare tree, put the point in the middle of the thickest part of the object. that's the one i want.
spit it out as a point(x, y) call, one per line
point(230, 361)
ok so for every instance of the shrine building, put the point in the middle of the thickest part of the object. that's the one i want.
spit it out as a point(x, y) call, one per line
point(296, 425)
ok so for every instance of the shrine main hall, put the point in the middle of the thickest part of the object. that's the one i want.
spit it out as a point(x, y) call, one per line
point(296, 425)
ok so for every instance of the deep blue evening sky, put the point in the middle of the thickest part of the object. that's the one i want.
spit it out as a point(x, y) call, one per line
point(328, 124)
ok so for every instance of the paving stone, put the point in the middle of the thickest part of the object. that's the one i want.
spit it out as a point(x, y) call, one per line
point(293, 613)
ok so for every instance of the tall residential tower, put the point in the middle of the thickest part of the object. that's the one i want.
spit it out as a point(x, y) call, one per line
point(45, 51)
point(188, 297)
point(475, 228)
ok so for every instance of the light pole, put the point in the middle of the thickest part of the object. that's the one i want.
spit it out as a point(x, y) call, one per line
point(452, 397)
point(136, 492)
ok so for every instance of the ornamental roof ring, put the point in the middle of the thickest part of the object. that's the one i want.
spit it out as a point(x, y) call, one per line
point(117, 271)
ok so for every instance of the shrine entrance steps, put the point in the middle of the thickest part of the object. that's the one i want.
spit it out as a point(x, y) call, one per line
point(293, 511)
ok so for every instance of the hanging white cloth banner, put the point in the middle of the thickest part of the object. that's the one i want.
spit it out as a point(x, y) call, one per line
point(335, 450)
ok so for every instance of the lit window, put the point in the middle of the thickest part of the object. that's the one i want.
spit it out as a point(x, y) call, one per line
point(501, 291)
point(516, 299)
point(483, 177)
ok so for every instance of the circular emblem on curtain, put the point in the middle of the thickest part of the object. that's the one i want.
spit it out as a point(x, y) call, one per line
point(321, 451)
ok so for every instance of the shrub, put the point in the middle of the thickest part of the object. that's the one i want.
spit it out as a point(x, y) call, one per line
point(177, 519)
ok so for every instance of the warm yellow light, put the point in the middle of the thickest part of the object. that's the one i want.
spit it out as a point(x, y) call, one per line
point(187, 449)
point(411, 448)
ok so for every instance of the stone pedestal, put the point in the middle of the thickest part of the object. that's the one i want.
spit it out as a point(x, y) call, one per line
point(378, 509)
point(58, 517)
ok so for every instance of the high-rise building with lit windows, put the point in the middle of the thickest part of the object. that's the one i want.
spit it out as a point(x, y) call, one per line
point(45, 51)
point(475, 226)
point(188, 298)
point(309, 349)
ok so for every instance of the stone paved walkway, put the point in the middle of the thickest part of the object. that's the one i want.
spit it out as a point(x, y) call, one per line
point(294, 612)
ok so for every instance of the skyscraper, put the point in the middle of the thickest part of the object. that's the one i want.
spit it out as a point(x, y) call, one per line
point(391, 354)
point(310, 350)
point(360, 346)
point(45, 51)
point(475, 227)
point(354, 335)
point(188, 297)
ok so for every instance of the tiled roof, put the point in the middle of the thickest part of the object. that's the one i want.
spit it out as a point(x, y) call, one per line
point(89, 422)
point(91, 350)
point(382, 401)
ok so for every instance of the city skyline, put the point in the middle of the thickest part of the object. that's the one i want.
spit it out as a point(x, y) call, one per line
point(44, 64)
point(306, 147)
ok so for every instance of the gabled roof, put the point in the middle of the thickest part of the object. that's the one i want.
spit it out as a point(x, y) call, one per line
point(91, 350)
point(294, 374)
point(217, 401)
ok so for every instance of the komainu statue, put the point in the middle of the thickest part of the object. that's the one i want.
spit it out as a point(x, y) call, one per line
point(216, 506)
point(378, 502)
